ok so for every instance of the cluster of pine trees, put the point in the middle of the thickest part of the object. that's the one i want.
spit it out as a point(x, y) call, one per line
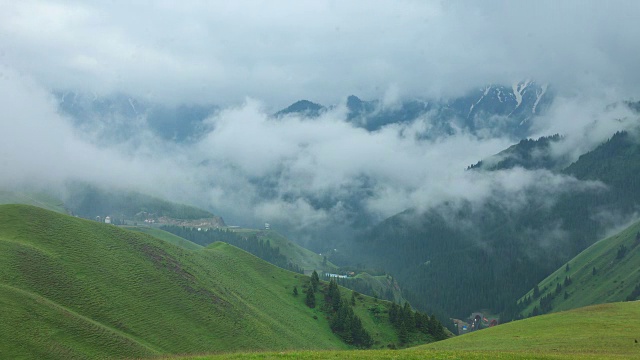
point(344, 321)
point(252, 244)
point(406, 321)
point(634, 294)
point(545, 299)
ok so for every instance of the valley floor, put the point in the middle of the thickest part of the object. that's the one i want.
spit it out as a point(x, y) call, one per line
point(606, 331)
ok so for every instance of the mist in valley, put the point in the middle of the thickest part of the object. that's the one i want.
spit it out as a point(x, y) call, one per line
point(83, 85)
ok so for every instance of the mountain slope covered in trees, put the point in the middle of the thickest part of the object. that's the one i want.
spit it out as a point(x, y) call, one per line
point(607, 271)
point(462, 257)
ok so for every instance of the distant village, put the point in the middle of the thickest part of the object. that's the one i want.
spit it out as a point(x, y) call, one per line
point(476, 321)
point(106, 220)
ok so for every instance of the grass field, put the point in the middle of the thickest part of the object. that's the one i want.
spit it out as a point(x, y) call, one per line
point(74, 288)
point(614, 280)
point(165, 236)
point(380, 284)
point(304, 258)
point(605, 331)
point(32, 198)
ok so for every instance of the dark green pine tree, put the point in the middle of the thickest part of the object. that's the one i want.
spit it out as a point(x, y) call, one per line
point(311, 299)
point(315, 280)
point(347, 334)
point(419, 321)
point(438, 330)
point(295, 290)
point(536, 292)
point(393, 314)
point(333, 295)
point(407, 317)
point(353, 298)
point(536, 312)
point(403, 333)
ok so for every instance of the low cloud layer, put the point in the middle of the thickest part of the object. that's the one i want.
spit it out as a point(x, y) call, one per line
point(254, 58)
point(303, 173)
point(278, 51)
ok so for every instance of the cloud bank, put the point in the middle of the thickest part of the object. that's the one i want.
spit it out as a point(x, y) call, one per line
point(278, 51)
point(252, 58)
point(299, 172)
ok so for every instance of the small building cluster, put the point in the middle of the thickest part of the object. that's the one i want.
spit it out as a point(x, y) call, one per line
point(106, 220)
point(476, 321)
point(336, 276)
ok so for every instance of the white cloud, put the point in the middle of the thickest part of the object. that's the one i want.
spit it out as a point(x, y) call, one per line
point(231, 53)
point(281, 51)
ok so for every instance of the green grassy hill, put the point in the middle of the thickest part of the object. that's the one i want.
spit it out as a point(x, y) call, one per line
point(74, 288)
point(32, 198)
point(89, 201)
point(166, 236)
point(605, 331)
point(304, 258)
point(616, 275)
point(382, 284)
point(600, 331)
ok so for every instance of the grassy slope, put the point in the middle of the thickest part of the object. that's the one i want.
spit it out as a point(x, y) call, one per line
point(166, 236)
point(95, 290)
point(614, 281)
point(380, 284)
point(304, 258)
point(36, 199)
point(604, 331)
point(309, 260)
point(600, 331)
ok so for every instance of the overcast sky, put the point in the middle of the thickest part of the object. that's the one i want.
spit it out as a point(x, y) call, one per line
point(251, 57)
point(280, 51)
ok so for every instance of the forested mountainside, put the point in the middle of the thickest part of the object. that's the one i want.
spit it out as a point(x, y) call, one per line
point(606, 271)
point(458, 258)
point(529, 154)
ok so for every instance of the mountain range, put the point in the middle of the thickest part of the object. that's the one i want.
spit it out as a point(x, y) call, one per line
point(493, 110)
point(504, 242)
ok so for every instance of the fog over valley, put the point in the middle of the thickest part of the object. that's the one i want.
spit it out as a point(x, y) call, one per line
point(497, 134)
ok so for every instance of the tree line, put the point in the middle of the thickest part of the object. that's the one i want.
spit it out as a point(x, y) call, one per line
point(252, 244)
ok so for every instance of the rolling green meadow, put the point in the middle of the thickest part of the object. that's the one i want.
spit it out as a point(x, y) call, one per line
point(304, 258)
point(38, 199)
point(606, 331)
point(166, 236)
point(74, 288)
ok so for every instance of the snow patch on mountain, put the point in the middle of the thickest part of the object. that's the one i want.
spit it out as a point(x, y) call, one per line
point(132, 106)
point(539, 93)
point(518, 90)
point(486, 91)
